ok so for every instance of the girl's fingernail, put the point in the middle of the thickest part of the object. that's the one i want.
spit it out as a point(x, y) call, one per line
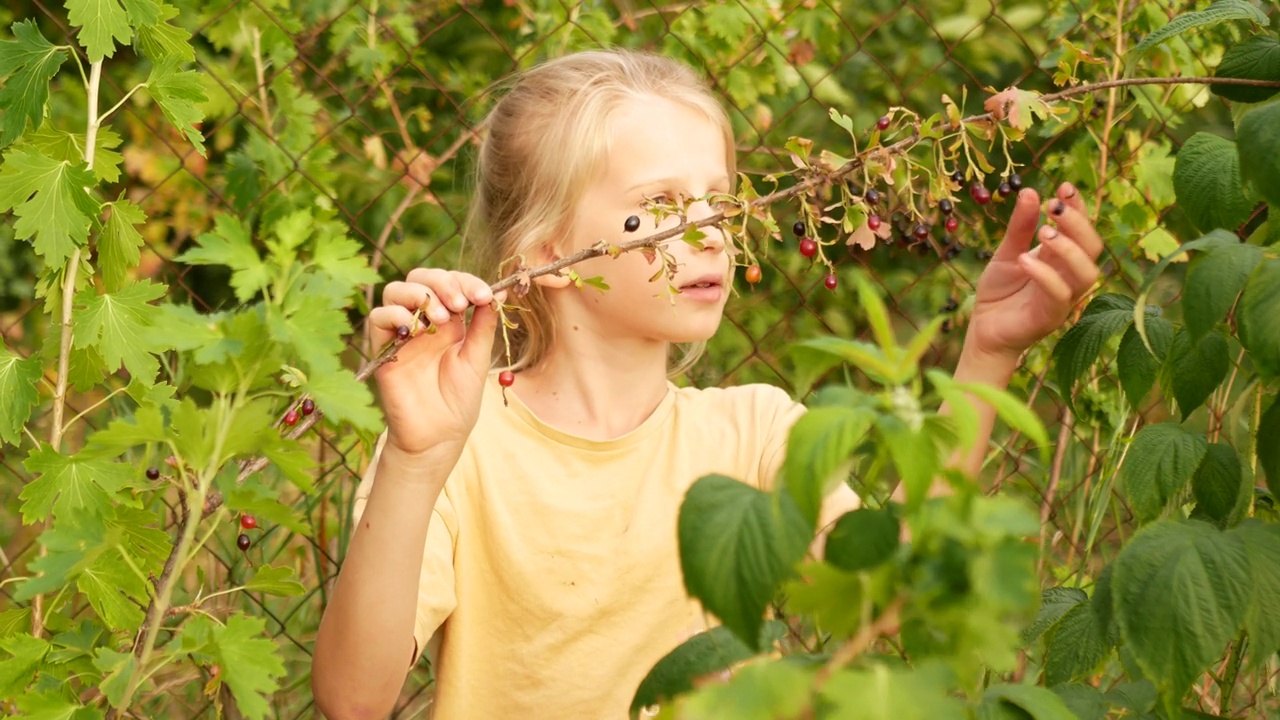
point(1048, 233)
point(1070, 190)
point(1057, 207)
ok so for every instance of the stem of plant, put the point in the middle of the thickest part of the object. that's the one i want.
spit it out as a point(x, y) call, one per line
point(1227, 686)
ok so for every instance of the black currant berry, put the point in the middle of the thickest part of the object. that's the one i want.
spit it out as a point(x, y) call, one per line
point(242, 542)
point(945, 206)
point(153, 473)
point(308, 406)
point(1015, 182)
point(402, 332)
point(798, 228)
point(632, 224)
point(957, 177)
point(952, 251)
point(950, 305)
point(1005, 189)
point(980, 194)
point(946, 326)
point(921, 231)
point(872, 196)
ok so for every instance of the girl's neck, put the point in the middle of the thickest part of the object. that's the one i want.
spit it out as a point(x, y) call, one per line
point(595, 390)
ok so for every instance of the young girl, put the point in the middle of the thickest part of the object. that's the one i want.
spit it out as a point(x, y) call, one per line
point(531, 544)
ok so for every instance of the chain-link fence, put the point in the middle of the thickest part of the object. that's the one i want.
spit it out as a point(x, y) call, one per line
point(372, 108)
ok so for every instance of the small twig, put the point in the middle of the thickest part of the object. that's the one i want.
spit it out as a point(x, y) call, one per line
point(886, 624)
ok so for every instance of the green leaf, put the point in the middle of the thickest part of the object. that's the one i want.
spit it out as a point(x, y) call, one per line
point(1076, 351)
point(821, 444)
point(1085, 701)
point(1075, 646)
point(117, 669)
point(706, 652)
point(1214, 281)
point(117, 325)
point(342, 398)
point(275, 581)
point(250, 663)
point(1258, 317)
point(69, 147)
point(119, 242)
point(49, 199)
point(1261, 620)
point(760, 691)
point(54, 706)
point(862, 539)
point(17, 672)
point(877, 315)
point(29, 62)
point(343, 259)
point(1196, 369)
point(1256, 58)
point(1206, 180)
point(142, 12)
point(147, 426)
point(14, 622)
point(19, 393)
point(1016, 413)
point(1055, 602)
point(1181, 591)
point(261, 502)
point(818, 355)
point(914, 454)
point(1038, 702)
point(178, 92)
point(1217, 482)
point(1268, 446)
point(1220, 11)
point(113, 590)
point(102, 23)
point(881, 693)
point(829, 595)
point(736, 545)
point(1258, 137)
point(166, 40)
point(70, 486)
point(1158, 466)
point(1136, 365)
point(229, 244)
point(312, 327)
point(1206, 242)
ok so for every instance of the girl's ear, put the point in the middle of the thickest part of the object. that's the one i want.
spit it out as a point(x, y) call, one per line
point(555, 281)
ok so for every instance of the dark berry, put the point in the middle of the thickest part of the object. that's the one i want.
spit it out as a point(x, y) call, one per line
point(983, 254)
point(291, 418)
point(402, 332)
point(980, 194)
point(873, 222)
point(808, 247)
point(957, 177)
point(883, 122)
point(1015, 182)
point(242, 542)
point(1005, 189)
point(952, 250)
point(872, 196)
point(153, 473)
point(922, 248)
point(950, 305)
point(921, 231)
point(946, 326)
point(830, 281)
point(945, 206)
point(308, 406)
point(798, 228)
point(506, 378)
point(951, 223)
point(753, 274)
point(248, 522)
point(632, 224)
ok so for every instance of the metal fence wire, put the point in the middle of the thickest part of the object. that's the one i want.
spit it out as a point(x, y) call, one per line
point(372, 107)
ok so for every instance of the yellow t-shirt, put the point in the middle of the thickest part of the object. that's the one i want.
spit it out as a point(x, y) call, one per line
point(551, 580)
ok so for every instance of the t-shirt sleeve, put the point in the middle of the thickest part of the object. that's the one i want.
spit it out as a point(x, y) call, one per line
point(437, 595)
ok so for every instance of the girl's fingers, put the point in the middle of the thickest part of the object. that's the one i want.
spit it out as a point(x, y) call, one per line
point(1071, 195)
point(1022, 226)
point(1069, 259)
point(415, 296)
point(444, 284)
point(1076, 225)
point(1047, 277)
point(384, 320)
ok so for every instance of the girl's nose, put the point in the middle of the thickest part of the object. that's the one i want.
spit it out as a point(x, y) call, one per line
point(714, 240)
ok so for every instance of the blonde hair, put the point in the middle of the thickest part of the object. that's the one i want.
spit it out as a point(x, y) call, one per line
point(546, 140)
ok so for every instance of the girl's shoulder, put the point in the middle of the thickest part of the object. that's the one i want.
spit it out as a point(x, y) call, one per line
point(753, 400)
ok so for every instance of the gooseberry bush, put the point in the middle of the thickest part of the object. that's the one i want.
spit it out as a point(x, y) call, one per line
point(191, 437)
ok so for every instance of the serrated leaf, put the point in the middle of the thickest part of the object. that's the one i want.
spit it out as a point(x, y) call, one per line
point(313, 327)
point(69, 147)
point(1075, 646)
point(343, 259)
point(737, 544)
point(16, 672)
point(166, 40)
point(29, 62)
point(14, 622)
point(706, 652)
point(250, 663)
point(1158, 466)
point(914, 454)
point(257, 500)
point(275, 581)
point(1220, 11)
point(760, 691)
point(862, 539)
point(1259, 132)
point(113, 590)
point(1258, 317)
point(821, 443)
point(1217, 482)
point(1196, 369)
point(102, 23)
point(881, 693)
point(117, 669)
point(1261, 621)
point(178, 93)
point(1181, 592)
point(70, 486)
point(67, 546)
point(1268, 446)
point(1078, 349)
point(1086, 701)
point(229, 244)
point(54, 706)
point(830, 596)
point(342, 398)
point(19, 393)
point(1206, 180)
point(146, 426)
point(1014, 412)
point(1206, 242)
point(1055, 602)
point(142, 12)
point(1214, 281)
point(119, 242)
point(1039, 703)
point(1136, 365)
point(1256, 58)
point(49, 199)
point(117, 325)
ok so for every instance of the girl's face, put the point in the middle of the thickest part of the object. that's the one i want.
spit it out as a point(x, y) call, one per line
point(657, 148)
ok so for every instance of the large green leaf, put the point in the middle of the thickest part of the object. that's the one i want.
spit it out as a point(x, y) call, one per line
point(1055, 602)
point(102, 23)
point(862, 539)
point(71, 486)
point(1086, 701)
point(18, 393)
point(1268, 446)
point(1206, 179)
point(1039, 703)
point(1181, 591)
point(1158, 466)
point(737, 544)
point(1262, 619)
point(1258, 317)
point(28, 62)
point(1217, 482)
point(1207, 242)
point(821, 443)
point(1075, 645)
point(1220, 11)
point(179, 93)
point(275, 581)
point(914, 453)
point(881, 693)
point(249, 660)
point(230, 244)
point(1258, 138)
point(50, 201)
point(1196, 369)
point(117, 324)
point(1106, 315)
point(119, 242)
point(1214, 281)
point(760, 691)
point(26, 654)
point(342, 398)
point(1136, 365)
point(707, 652)
point(1256, 58)
point(828, 595)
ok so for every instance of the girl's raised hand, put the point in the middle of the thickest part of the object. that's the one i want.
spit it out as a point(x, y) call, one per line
point(431, 390)
point(1026, 293)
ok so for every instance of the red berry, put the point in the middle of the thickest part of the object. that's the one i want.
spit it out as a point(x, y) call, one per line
point(808, 247)
point(248, 522)
point(506, 378)
point(873, 222)
point(402, 332)
point(830, 282)
point(291, 418)
point(753, 274)
point(883, 122)
point(951, 224)
point(980, 194)
point(308, 406)
point(242, 542)
point(921, 231)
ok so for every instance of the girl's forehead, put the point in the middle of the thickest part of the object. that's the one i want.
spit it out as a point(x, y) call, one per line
point(659, 138)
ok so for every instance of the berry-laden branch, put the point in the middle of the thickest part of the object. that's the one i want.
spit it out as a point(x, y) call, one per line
point(817, 176)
